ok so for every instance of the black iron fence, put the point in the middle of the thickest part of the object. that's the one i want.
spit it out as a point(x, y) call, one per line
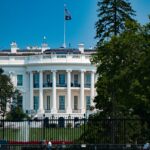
point(76, 131)
point(70, 146)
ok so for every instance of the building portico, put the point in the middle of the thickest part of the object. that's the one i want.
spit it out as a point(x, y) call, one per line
point(61, 91)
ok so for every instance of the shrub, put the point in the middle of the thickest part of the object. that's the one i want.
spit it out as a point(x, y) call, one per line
point(69, 125)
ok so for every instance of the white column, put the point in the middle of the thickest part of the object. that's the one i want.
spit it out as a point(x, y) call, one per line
point(41, 109)
point(82, 107)
point(92, 87)
point(13, 78)
point(69, 110)
point(31, 90)
point(54, 92)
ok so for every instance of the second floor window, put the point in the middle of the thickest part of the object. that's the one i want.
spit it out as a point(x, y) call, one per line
point(61, 78)
point(48, 78)
point(19, 80)
point(76, 79)
point(88, 78)
point(36, 80)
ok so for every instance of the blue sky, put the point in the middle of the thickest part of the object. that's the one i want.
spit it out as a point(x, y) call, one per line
point(27, 21)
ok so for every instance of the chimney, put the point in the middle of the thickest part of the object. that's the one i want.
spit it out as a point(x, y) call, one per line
point(14, 47)
point(81, 47)
point(44, 47)
point(44, 44)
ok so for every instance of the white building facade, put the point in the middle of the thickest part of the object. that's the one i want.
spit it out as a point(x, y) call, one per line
point(53, 82)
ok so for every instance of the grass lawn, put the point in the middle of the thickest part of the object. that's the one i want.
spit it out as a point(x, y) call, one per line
point(67, 134)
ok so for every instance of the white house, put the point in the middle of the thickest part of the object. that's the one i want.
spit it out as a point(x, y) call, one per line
point(58, 82)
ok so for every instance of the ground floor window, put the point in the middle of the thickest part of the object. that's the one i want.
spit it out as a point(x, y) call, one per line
point(75, 102)
point(20, 101)
point(48, 102)
point(61, 102)
point(36, 102)
point(88, 102)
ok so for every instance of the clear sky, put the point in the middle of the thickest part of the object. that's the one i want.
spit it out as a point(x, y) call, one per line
point(27, 21)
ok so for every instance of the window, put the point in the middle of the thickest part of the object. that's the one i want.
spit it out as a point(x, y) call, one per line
point(88, 79)
point(48, 102)
point(36, 80)
point(75, 78)
point(36, 103)
point(48, 78)
point(88, 102)
point(61, 102)
point(75, 102)
point(19, 80)
point(61, 78)
point(19, 101)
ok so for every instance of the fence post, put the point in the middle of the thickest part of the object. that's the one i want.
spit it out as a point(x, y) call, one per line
point(84, 129)
point(124, 131)
point(3, 126)
point(43, 126)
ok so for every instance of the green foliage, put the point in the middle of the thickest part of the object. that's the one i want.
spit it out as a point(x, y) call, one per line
point(123, 85)
point(7, 94)
point(115, 131)
point(7, 91)
point(112, 15)
point(16, 114)
point(123, 68)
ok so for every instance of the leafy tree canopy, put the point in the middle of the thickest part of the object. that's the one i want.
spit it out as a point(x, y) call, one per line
point(123, 68)
point(7, 91)
point(112, 15)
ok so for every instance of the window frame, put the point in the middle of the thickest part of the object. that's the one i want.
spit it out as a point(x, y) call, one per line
point(61, 100)
point(36, 106)
point(88, 78)
point(18, 80)
point(88, 102)
point(76, 81)
point(75, 103)
point(20, 104)
point(62, 79)
point(48, 102)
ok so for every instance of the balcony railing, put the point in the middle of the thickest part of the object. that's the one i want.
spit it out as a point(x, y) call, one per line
point(36, 85)
point(75, 85)
point(47, 111)
point(61, 85)
point(61, 111)
point(87, 85)
point(76, 111)
point(47, 84)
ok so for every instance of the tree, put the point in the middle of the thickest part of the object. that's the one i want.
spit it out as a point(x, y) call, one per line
point(16, 113)
point(123, 68)
point(112, 16)
point(7, 92)
point(123, 88)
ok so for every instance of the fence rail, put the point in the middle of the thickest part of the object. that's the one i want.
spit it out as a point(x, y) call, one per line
point(103, 131)
point(70, 146)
